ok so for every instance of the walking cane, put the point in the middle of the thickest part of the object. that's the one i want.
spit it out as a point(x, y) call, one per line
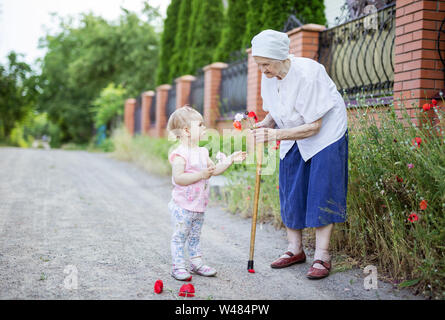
point(259, 157)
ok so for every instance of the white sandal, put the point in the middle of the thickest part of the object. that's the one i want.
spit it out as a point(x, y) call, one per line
point(203, 270)
point(181, 274)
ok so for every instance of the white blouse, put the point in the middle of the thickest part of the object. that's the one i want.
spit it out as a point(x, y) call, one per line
point(304, 95)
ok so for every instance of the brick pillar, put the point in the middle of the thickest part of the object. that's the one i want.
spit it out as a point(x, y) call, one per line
point(183, 87)
point(254, 100)
point(418, 71)
point(212, 81)
point(147, 98)
point(161, 109)
point(304, 40)
point(130, 106)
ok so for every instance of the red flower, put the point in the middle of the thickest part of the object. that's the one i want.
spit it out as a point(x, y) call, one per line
point(417, 141)
point(423, 205)
point(278, 187)
point(413, 217)
point(237, 125)
point(252, 114)
point(251, 270)
point(426, 107)
point(159, 285)
point(187, 290)
point(277, 145)
point(399, 179)
point(248, 187)
point(434, 102)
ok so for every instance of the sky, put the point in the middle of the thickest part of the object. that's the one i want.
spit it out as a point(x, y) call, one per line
point(23, 22)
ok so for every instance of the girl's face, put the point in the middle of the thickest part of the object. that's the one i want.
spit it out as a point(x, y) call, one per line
point(196, 131)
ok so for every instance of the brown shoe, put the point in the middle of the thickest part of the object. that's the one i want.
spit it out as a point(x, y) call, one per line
point(315, 273)
point(286, 262)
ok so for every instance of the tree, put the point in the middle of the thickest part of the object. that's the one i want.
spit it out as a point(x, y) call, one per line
point(82, 60)
point(275, 13)
point(206, 34)
point(168, 43)
point(178, 67)
point(254, 22)
point(18, 93)
point(234, 26)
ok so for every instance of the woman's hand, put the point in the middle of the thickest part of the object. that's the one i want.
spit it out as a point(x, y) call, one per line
point(264, 135)
point(267, 122)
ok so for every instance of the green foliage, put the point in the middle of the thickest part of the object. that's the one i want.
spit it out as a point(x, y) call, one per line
point(18, 94)
point(84, 57)
point(254, 22)
point(164, 74)
point(276, 13)
point(177, 65)
point(234, 26)
point(108, 105)
point(205, 32)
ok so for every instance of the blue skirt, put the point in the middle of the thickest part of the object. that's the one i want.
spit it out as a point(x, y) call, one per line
point(313, 193)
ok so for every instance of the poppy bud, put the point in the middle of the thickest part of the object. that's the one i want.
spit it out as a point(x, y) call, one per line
point(159, 285)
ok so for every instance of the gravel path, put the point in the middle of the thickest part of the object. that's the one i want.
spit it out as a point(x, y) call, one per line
point(109, 219)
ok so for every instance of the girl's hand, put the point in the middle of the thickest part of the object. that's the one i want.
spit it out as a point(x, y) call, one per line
point(208, 172)
point(239, 156)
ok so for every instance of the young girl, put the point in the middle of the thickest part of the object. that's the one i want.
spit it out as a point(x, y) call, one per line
point(191, 170)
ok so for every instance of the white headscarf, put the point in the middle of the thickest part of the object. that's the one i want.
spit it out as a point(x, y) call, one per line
point(271, 44)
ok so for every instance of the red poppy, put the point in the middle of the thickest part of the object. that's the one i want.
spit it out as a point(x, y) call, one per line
point(426, 106)
point(434, 102)
point(417, 141)
point(251, 270)
point(413, 217)
point(277, 145)
point(237, 125)
point(159, 285)
point(252, 114)
point(187, 290)
point(399, 179)
point(278, 187)
point(248, 187)
point(423, 205)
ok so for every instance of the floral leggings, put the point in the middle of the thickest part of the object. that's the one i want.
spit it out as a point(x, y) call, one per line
point(187, 225)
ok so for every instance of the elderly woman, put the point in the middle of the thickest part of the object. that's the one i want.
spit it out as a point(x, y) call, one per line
point(303, 102)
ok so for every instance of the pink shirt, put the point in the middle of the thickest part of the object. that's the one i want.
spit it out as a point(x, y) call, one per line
point(195, 196)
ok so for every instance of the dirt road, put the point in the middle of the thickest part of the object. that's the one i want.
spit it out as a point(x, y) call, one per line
point(106, 224)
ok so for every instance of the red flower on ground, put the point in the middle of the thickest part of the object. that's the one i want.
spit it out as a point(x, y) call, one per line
point(426, 106)
point(159, 285)
point(423, 205)
point(417, 141)
point(251, 270)
point(187, 290)
point(237, 125)
point(413, 217)
point(400, 180)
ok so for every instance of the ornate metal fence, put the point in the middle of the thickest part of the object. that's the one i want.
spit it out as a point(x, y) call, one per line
point(197, 92)
point(358, 55)
point(171, 102)
point(153, 111)
point(233, 90)
point(137, 115)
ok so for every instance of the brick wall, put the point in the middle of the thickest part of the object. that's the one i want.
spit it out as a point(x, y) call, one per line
point(418, 71)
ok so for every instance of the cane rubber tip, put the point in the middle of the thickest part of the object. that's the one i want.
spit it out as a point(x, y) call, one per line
point(251, 271)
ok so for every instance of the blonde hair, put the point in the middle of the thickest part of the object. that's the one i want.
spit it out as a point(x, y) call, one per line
point(181, 119)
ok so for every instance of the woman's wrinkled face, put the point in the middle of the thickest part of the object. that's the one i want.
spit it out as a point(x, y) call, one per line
point(270, 67)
